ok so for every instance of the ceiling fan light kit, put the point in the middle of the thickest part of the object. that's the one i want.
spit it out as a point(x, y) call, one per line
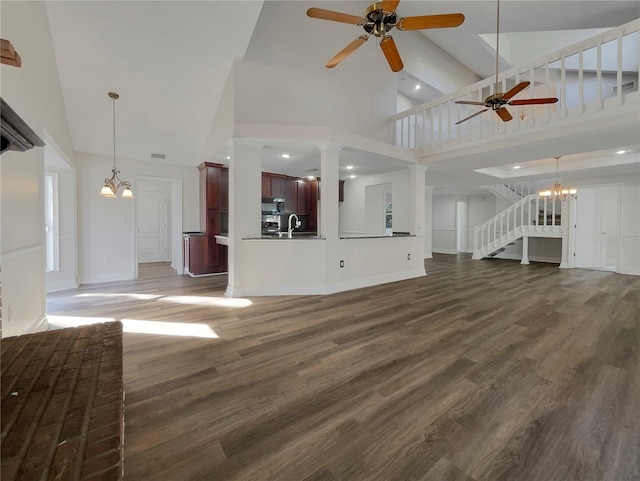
point(498, 100)
point(378, 19)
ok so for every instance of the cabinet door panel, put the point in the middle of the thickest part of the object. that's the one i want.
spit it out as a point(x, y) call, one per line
point(277, 186)
point(266, 185)
point(302, 197)
point(290, 196)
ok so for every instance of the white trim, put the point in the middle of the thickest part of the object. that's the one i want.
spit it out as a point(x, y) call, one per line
point(321, 289)
point(61, 285)
point(630, 271)
point(115, 276)
point(516, 257)
point(444, 251)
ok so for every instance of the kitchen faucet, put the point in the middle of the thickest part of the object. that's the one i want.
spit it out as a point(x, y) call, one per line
point(297, 224)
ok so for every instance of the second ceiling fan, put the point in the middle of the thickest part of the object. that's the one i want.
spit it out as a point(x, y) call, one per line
point(497, 101)
point(378, 19)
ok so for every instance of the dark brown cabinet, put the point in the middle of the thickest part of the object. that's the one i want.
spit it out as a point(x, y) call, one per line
point(302, 197)
point(277, 186)
point(203, 253)
point(266, 185)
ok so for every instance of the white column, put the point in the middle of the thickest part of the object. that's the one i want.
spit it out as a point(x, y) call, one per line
point(525, 250)
point(245, 194)
point(417, 199)
point(564, 221)
point(329, 178)
point(428, 222)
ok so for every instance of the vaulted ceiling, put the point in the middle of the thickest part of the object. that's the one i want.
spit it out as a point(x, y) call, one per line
point(168, 60)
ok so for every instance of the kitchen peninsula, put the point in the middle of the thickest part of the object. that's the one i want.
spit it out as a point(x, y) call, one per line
point(325, 260)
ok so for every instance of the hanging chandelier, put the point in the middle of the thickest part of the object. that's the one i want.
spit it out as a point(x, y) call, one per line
point(113, 184)
point(557, 191)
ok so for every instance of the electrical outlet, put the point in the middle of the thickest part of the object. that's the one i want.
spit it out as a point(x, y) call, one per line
point(408, 257)
point(341, 263)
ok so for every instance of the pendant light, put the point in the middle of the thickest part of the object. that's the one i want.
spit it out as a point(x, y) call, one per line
point(557, 191)
point(112, 185)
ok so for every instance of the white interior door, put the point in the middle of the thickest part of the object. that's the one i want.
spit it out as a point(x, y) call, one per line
point(152, 227)
point(591, 229)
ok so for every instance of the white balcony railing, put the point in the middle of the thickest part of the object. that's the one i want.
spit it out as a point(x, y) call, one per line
point(589, 76)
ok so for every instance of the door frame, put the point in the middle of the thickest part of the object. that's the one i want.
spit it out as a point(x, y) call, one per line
point(177, 261)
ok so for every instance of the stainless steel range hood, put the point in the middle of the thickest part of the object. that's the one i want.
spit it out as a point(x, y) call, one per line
point(16, 134)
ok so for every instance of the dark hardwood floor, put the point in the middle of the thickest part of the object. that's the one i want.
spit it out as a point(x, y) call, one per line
point(483, 370)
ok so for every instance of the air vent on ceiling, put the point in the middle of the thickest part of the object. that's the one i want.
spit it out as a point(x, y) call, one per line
point(313, 170)
point(158, 156)
point(626, 87)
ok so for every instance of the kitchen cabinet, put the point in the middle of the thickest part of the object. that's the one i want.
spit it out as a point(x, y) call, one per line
point(266, 185)
point(302, 197)
point(277, 186)
point(224, 189)
point(207, 255)
point(290, 195)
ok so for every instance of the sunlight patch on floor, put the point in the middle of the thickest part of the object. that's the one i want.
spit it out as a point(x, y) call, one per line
point(138, 326)
point(208, 301)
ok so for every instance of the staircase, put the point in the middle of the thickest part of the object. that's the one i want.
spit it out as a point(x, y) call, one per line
point(531, 216)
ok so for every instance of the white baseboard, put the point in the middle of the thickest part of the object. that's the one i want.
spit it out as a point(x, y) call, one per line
point(61, 285)
point(631, 271)
point(516, 257)
point(321, 289)
point(117, 276)
point(444, 251)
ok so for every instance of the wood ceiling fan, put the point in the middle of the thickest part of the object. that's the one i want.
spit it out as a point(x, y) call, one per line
point(497, 101)
point(378, 19)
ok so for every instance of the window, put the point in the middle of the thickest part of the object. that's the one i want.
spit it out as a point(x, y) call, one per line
point(51, 221)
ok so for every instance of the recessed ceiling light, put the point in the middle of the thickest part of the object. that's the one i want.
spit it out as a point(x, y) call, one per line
point(352, 176)
point(311, 177)
point(516, 166)
point(285, 156)
point(349, 167)
point(228, 157)
point(417, 87)
point(620, 151)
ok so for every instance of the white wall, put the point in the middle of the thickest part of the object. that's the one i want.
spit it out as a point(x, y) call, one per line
point(481, 208)
point(106, 226)
point(33, 91)
point(425, 60)
point(444, 223)
point(353, 209)
point(298, 97)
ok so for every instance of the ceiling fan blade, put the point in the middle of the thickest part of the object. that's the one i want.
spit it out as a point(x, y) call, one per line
point(504, 114)
point(430, 21)
point(388, 46)
point(469, 102)
point(549, 100)
point(323, 14)
point(345, 52)
point(518, 88)
point(471, 116)
point(390, 5)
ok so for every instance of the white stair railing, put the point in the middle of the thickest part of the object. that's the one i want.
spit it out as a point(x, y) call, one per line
point(531, 216)
point(590, 76)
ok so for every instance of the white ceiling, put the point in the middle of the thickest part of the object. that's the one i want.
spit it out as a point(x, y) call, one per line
point(169, 60)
